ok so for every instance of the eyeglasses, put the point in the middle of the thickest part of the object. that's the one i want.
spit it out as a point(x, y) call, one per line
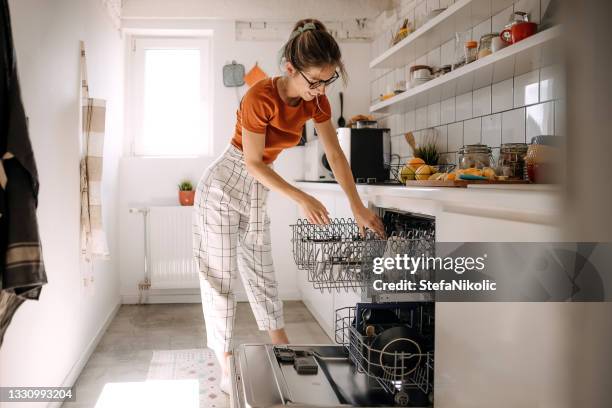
point(316, 84)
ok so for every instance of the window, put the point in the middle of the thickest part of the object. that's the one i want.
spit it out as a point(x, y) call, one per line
point(170, 97)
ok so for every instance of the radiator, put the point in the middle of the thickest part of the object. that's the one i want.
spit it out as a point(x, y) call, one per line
point(170, 255)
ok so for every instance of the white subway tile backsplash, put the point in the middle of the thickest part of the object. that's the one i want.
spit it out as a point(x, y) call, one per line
point(501, 19)
point(491, 130)
point(447, 53)
point(420, 14)
point(422, 60)
point(405, 149)
point(432, 5)
point(481, 29)
point(433, 114)
point(395, 146)
point(540, 120)
point(527, 89)
point(482, 101)
point(513, 126)
point(552, 83)
point(410, 120)
point(421, 118)
point(471, 131)
point(433, 57)
point(447, 111)
point(502, 96)
point(442, 138)
point(455, 136)
point(463, 106)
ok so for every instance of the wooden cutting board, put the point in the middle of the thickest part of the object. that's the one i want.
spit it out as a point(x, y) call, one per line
point(458, 183)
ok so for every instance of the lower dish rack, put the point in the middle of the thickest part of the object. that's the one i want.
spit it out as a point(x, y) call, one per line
point(398, 356)
point(336, 256)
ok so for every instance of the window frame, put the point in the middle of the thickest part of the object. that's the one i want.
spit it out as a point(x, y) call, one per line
point(135, 88)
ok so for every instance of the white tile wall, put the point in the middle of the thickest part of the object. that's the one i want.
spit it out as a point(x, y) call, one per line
point(540, 120)
point(482, 102)
point(447, 111)
point(455, 136)
point(513, 126)
point(527, 89)
point(421, 118)
point(491, 130)
point(463, 106)
point(433, 115)
point(513, 109)
point(471, 131)
point(501, 19)
point(503, 95)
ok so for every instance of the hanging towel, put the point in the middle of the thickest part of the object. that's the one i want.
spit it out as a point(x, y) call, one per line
point(93, 238)
point(22, 272)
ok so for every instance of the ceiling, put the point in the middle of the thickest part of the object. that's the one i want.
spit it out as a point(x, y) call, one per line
point(265, 10)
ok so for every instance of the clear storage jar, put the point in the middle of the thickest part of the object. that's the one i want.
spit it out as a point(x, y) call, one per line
point(512, 160)
point(475, 156)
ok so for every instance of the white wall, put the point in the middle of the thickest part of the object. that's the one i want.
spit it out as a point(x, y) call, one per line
point(147, 181)
point(49, 339)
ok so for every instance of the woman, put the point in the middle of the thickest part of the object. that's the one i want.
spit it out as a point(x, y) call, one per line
point(230, 221)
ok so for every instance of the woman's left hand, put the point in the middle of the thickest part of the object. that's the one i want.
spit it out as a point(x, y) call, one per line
point(366, 218)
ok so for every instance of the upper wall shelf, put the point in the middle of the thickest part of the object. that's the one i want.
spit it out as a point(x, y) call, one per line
point(460, 16)
point(525, 56)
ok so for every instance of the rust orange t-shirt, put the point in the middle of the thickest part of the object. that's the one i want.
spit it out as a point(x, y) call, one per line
point(263, 111)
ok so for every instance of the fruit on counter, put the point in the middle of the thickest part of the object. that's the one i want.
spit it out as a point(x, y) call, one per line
point(423, 172)
point(450, 176)
point(489, 173)
point(407, 173)
point(414, 163)
point(471, 171)
point(437, 176)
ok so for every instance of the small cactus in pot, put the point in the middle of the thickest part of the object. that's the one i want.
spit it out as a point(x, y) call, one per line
point(186, 193)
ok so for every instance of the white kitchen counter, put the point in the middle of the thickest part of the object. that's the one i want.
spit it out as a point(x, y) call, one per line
point(537, 204)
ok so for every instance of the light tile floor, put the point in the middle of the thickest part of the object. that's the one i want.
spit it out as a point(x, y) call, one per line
point(124, 353)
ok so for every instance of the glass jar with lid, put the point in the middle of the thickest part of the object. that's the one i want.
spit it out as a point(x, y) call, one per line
point(485, 47)
point(512, 160)
point(475, 156)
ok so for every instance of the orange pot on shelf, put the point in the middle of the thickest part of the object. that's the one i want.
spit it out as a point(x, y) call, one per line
point(186, 197)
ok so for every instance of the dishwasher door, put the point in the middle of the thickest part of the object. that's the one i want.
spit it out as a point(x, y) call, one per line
point(259, 381)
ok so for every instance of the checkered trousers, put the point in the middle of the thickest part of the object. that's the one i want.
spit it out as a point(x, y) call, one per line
point(231, 233)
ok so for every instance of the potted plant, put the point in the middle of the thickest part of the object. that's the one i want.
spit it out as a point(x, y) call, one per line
point(186, 193)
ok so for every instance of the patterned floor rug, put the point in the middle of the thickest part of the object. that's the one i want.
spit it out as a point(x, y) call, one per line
point(200, 364)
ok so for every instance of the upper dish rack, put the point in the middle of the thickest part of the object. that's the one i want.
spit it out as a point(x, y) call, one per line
point(336, 256)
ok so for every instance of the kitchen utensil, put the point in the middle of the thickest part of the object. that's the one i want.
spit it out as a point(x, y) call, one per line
point(411, 141)
point(518, 31)
point(395, 353)
point(420, 72)
point(470, 50)
point(512, 160)
point(485, 46)
point(378, 316)
point(341, 121)
point(471, 177)
point(477, 155)
point(233, 74)
point(366, 124)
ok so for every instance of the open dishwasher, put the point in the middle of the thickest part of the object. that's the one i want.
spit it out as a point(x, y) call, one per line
point(385, 351)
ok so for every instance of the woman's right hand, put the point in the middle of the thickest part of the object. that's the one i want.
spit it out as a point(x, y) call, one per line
point(313, 210)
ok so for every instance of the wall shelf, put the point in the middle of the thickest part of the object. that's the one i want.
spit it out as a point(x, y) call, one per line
point(460, 16)
point(525, 56)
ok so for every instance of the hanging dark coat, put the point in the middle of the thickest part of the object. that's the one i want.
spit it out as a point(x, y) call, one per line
point(22, 271)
